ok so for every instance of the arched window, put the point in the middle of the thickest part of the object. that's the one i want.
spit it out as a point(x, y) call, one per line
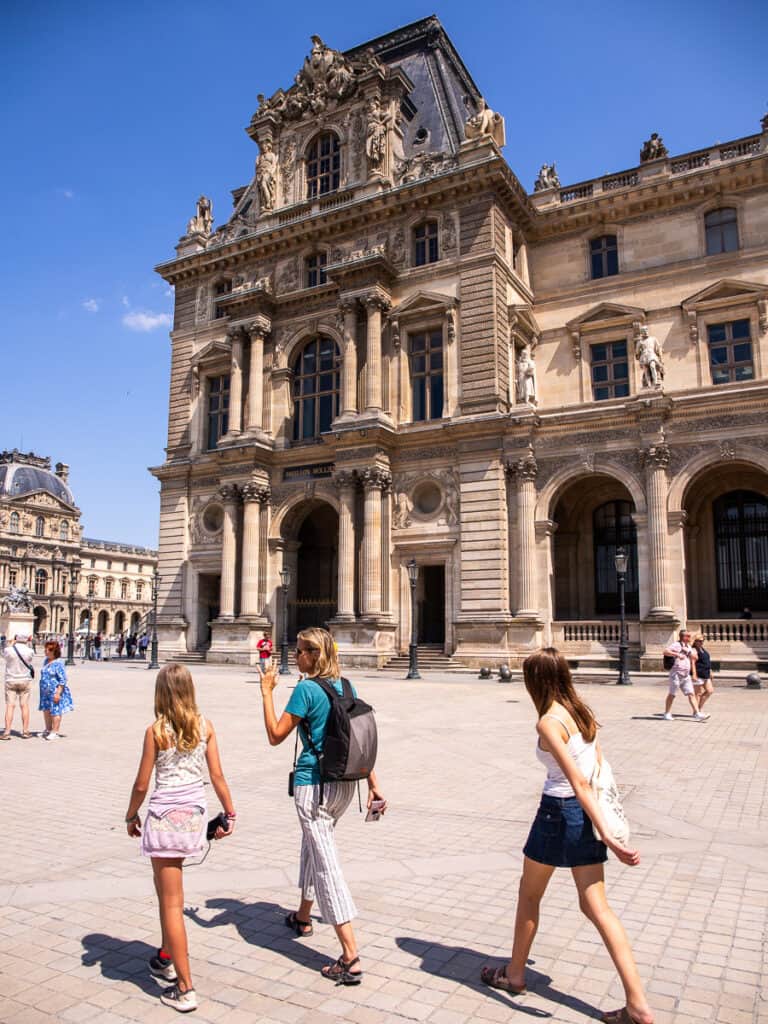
point(64, 530)
point(604, 256)
point(39, 526)
point(426, 352)
point(425, 244)
point(314, 267)
point(14, 523)
point(722, 231)
point(741, 551)
point(41, 581)
point(323, 165)
point(612, 527)
point(316, 379)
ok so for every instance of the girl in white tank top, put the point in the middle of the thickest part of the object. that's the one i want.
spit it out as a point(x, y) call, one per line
point(562, 834)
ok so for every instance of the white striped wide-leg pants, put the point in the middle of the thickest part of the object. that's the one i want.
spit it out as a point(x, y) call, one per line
point(320, 875)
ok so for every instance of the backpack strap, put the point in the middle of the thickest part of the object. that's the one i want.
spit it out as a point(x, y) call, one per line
point(26, 664)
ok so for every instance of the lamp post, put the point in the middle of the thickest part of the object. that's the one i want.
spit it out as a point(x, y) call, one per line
point(285, 582)
point(153, 663)
point(413, 651)
point(74, 577)
point(88, 630)
point(621, 560)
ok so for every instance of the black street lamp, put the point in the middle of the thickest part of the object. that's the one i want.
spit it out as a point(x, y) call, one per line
point(74, 577)
point(413, 651)
point(88, 628)
point(153, 663)
point(621, 559)
point(285, 582)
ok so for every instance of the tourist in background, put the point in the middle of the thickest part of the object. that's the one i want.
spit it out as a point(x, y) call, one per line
point(703, 683)
point(120, 645)
point(55, 695)
point(682, 675)
point(19, 674)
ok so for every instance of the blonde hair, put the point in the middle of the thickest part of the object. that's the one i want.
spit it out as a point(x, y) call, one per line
point(177, 720)
point(326, 663)
point(547, 679)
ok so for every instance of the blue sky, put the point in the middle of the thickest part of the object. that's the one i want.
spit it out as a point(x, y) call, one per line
point(117, 115)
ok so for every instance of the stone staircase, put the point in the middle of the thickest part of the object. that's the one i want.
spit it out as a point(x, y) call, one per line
point(431, 658)
point(191, 658)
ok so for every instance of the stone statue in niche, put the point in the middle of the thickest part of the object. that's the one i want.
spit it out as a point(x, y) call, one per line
point(401, 514)
point(486, 123)
point(526, 377)
point(653, 149)
point(266, 176)
point(376, 136)
point(548, 178)
point(202, 222)
point(648, 354)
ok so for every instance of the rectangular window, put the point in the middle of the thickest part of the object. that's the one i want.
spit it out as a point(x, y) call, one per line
point(604, 256)
point(316, 270)
point(425, 247)
point(722, 231)
point(426, 352)
point(610, 370)
point(91, 588)
point(12, 577)
point(108, 588)
point(730, 352)
point(218, 409)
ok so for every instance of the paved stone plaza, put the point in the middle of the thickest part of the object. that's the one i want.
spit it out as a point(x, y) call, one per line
point(435, 880)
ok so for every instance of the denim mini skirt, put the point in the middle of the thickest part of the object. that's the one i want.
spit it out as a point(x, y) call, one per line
point(562, 836)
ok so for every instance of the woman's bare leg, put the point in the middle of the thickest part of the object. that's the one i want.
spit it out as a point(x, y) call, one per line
point(590, 883)
point(169, 882)
point(533, 884)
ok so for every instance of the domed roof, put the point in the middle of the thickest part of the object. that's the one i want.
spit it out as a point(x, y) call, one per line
point(17, 479)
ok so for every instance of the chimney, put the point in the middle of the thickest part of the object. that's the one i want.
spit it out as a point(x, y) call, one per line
point(62, 471)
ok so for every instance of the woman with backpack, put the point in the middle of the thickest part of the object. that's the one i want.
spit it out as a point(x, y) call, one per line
point(563, 836)
point(319, 805)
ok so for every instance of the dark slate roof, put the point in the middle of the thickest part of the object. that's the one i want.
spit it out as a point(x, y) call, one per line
point(444, 95)
point(17, 479)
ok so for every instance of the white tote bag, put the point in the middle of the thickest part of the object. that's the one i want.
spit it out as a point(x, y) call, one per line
point(606, 792)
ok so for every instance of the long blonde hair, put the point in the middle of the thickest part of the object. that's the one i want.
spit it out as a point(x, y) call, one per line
point(326, 664)
point(548, 679)
point(177, 720)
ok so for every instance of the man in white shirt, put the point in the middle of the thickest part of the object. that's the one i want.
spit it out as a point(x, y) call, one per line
point(18, 683)
point(682, 675)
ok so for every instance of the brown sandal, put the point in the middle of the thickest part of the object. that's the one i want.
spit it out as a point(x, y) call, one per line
point(340, 972)
point(622, 1016)
point(302, 928)
point(496, 977)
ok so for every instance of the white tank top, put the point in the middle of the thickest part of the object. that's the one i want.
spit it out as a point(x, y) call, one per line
point(583, 753)
point(175, 768)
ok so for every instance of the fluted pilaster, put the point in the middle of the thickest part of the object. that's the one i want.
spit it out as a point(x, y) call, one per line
point(346, 480)
point(348, 310)
point(376, 481)
point(254, 496)
point(374, 305)
point(523, 473)
point(655, 458)
point(257, 332)
point(236, 383)
point(230, 496)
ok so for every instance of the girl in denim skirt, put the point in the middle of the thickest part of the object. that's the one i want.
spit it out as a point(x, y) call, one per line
point(562, 835)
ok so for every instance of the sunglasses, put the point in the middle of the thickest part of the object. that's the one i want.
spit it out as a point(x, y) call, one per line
point(307, 650)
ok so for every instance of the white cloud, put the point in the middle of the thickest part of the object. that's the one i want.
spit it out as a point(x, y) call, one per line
point(146, 321)
point(92, 305)
point(125, 302)
point(67, 193)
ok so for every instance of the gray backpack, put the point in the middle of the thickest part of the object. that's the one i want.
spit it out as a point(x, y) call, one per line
point(350, 743)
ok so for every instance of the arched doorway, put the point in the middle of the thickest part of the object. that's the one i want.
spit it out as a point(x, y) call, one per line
point(41, 619)
point(315, 537)
point(84, 617)
point(102, 621)
point(593, 517)
point(135, 622)
point(119, 622)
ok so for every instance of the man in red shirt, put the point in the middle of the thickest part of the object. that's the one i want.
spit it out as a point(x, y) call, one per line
point(264, 647)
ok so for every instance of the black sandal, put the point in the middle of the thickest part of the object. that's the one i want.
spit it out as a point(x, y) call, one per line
point(303, 929)
point(340, 972)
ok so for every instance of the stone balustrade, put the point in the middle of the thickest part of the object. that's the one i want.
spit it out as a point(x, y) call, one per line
point(592, 631)
point(738, 631)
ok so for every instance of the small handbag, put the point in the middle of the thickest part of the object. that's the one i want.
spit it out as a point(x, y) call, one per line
point(606, 792)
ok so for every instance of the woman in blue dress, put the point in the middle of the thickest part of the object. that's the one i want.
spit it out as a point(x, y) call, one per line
point(55, 695)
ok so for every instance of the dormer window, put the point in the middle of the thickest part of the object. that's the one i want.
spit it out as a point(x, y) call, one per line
point(314, 274)
point(323, 165)
point(425, 244)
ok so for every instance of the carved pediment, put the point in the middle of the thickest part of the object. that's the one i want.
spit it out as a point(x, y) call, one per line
point(423, 304)
point(40, 499)
point(605, 312)
point(726, 292)
point(523, 326)
point(213, 352)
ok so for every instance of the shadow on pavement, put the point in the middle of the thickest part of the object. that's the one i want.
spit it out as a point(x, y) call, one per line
point(121, 960)
point(260, 924)
point(458, 963)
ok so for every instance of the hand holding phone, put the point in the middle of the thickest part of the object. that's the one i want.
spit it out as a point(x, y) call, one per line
point(376, 810)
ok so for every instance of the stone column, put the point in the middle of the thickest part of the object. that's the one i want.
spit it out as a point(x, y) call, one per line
point(375, 480)
point(345, 480)
point(348, 311)
point(257, 332)
point(374, 304)
point(236, 383)
point(230, 496)
point(524, 472)
point(655, 458)
point(254, 496)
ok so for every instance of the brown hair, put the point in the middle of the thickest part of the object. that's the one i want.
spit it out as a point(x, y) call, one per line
point(177, 721)
point(548, 679)
point(55, 646)
point(326, 661)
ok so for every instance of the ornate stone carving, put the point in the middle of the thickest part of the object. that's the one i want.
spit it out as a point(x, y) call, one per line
point(201, 304)
point(653, 149)
point(289, 275)
point(548, 178)
point(424, 165)
point(402, 507)
point(202, 222)
point(229, 494)
point(762, 313)
point(727, 450)
point(485, 124)
point(524, 469)
point(655, 456)
point(397, 247)
point(648, 354)
point(376, 301)
point(287, 168)
point(344, 478)
point(448, 236)
point(253, 491)
point(376, 477)
point(377, 128)
point(526, 377)
point(266, 176)
point(18, 599)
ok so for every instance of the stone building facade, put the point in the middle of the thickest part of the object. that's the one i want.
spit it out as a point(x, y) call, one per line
point(41, 539)
point(391, 351)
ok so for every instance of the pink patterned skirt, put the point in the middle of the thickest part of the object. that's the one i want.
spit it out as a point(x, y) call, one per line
point(176, 822)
